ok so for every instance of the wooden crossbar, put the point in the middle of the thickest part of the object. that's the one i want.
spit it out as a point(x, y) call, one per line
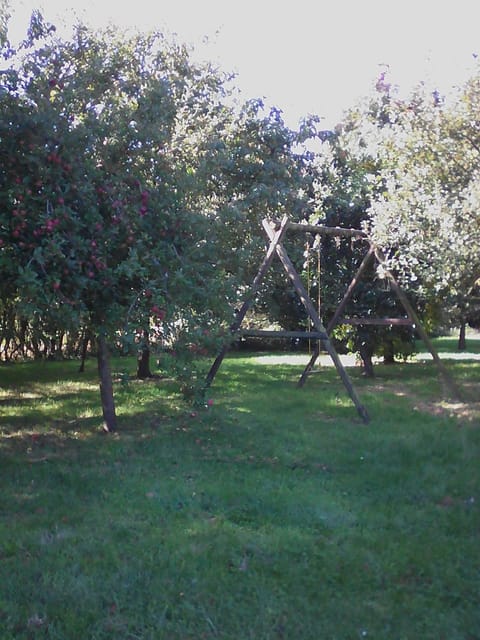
point(327, 231)
point(265, 333)
point(382, 322)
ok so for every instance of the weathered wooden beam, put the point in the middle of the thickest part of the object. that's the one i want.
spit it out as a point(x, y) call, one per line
point(308, 369)
point(348, 293)
point(338, 312)
point(454, 389)
point(277, 237)
point(327, 231)
point(317, 323)
point(382, 322)
point(265, 333)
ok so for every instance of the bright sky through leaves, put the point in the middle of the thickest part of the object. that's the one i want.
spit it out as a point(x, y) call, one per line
point(304, 56)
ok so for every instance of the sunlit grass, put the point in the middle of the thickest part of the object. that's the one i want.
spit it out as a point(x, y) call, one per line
point(274, 513)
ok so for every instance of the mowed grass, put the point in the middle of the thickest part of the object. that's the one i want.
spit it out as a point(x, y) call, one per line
point(275, 513)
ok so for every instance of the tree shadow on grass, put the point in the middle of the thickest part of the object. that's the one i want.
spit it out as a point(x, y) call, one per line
point(49, 418)
point(19, 373)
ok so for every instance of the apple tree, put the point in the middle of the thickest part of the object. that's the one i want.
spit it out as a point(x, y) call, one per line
point(257, 167)
point(427, 215)
point(348, 180)
point(99, 224)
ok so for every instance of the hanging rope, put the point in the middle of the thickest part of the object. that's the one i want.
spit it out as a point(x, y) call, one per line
point(309, 320)
point(319, 264)
point(315, 246)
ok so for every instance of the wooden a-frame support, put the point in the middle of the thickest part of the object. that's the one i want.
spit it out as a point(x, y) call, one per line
point(411, 320)
point(276, 247)
point(276, 234)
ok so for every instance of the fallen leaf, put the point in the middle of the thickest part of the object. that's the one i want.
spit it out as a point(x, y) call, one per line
point(446, 501)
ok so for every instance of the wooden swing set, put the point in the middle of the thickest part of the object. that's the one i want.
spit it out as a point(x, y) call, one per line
point(276, 232)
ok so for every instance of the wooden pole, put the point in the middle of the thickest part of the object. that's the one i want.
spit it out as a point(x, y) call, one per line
point(276, 237)
point(341, 307)
point(327, 231)
point(454, 389)
point(337, 314)
point(265, 333)
point(317, 323)
point(379, 322)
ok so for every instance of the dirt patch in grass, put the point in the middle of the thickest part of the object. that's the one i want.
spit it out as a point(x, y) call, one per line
point(464, 411)
point(467, 412)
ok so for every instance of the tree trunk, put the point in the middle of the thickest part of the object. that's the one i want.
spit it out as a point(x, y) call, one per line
point(23, 337)
point(388, 352)
point(37, 354)
point(106, 386)
point(85, 341)
point(366, 355)
point(61, 339)
point(462, 337)
point(52, 352)
point(143, 360)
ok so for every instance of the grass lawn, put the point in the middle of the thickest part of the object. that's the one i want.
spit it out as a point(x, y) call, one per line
point(272, 514)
